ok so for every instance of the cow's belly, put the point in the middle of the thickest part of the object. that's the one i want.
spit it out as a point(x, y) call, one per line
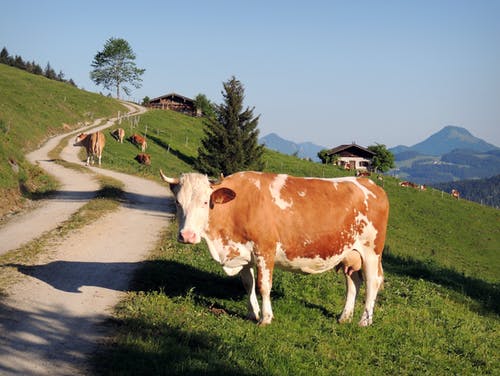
point(231, 255)
point(310, 265)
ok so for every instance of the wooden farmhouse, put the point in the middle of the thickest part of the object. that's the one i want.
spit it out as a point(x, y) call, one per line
point(175, 102)
point(352, 157)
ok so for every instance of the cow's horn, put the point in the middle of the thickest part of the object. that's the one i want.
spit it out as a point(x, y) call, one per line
point(169, 180)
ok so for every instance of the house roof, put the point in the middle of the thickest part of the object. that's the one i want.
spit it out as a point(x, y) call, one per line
point(353, 148)
point(172, 96)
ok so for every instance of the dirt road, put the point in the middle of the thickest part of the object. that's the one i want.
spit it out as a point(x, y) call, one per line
point(52, 319)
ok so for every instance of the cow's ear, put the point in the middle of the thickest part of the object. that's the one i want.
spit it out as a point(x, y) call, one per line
point(221, 196)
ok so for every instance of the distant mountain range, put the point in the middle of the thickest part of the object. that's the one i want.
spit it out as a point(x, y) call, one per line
point(449, 155)
point(306, 150)
point(446, 140)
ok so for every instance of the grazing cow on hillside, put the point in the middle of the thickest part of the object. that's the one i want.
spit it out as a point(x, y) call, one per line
point(94, 144)
point(309, 225)
point(119, 134)
point(455, 193)
point(143, 158)
point(139, 141)
point(363, 173)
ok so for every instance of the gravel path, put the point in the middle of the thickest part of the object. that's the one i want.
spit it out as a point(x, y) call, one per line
point(51, 320)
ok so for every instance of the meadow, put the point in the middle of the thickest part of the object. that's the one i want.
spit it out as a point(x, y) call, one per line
point(32, 109)
point(438, 313)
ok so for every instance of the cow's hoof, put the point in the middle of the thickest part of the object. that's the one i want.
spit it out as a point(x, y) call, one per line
point(365, 322)
point(345, 319)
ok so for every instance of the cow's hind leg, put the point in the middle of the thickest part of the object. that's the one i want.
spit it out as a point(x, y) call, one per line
point(374, 278)
point(353, 282)
point(248, 279)
point(265, 282)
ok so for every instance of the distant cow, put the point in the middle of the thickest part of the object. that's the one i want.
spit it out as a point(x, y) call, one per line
point(143, 158)
point(119, 134)
point(455, 194)
point(362, 173)
point(308, 225)
point(94, 144)
point(139, 141)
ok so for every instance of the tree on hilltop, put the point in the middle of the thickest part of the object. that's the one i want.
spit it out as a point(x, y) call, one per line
point(114, 67)
point(231, 136)
point(383, 160)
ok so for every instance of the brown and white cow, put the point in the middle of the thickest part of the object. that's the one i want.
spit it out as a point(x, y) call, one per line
point(94, 144)
point(119, 134)
point(139, 141)
point(455, 193)
point(309, 225)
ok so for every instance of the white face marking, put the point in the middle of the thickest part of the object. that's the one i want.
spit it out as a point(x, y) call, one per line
point(193, 198)
point(275, 189)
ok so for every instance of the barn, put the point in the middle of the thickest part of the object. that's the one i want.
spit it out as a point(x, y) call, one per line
point(175, 102)
point(352, 157)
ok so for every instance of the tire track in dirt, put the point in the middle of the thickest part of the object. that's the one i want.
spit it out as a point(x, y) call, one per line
point(51, 321)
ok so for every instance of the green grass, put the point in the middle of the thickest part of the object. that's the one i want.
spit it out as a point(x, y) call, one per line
point(33, 108)
point(438, 313)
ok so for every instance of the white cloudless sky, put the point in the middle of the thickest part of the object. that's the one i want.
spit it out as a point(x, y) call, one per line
point(329, 72)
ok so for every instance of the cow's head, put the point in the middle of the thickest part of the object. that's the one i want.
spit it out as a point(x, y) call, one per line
point(79, 139)
point(195, 195)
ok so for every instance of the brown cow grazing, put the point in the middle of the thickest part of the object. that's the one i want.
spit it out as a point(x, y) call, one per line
point(143, 158)
point(362, 173)
point(310, 225)
point(139, 141)
point(455, 194)
point(94, 144)
point(119, 134)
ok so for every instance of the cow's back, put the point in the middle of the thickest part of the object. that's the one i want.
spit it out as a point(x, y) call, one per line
point(308, 217)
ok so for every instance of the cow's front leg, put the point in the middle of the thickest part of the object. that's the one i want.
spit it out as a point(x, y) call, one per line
point(265, 282)
point(248, 278)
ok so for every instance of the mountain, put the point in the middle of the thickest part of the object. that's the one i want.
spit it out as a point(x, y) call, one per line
point(446, 140)
point(302, 150)
point(449, 155)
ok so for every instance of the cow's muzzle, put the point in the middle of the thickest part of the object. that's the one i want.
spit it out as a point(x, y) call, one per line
point(188, 236)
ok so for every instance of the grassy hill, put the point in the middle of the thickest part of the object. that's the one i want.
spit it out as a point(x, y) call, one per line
point(33, 108)
point(437, 315)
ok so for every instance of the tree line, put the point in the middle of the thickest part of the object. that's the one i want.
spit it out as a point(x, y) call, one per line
point(483, 191)
point(32, 67)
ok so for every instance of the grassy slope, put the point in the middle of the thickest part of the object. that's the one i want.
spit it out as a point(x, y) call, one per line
point(437, 315)
point(33, 108)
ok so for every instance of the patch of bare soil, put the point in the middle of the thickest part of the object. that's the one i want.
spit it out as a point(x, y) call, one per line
point(52, 319)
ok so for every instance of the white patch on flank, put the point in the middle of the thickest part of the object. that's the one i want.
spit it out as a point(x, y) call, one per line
point(356, 182)
point(308, 265)
point(275, 189)
point(220, 252)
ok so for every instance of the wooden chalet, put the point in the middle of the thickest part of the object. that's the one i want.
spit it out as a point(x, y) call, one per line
point(175, 102)
point(352, 157)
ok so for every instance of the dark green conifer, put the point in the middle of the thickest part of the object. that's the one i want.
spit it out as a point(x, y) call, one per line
point(231, 136)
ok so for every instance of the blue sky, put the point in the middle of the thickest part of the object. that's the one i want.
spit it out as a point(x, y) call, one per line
point(329, 72)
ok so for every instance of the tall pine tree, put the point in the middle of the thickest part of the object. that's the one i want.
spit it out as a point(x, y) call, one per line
point(231, 137)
